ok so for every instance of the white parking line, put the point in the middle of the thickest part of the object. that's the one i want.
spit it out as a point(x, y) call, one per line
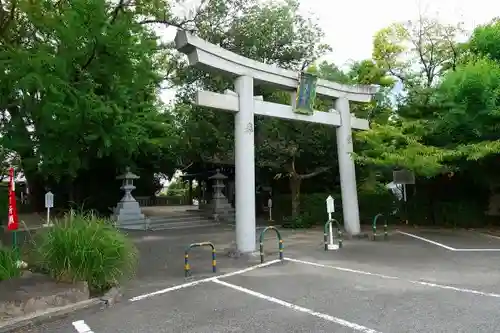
point(485, 234)
point(419, 282)
point(349, 270)
point(342, 322)
point(446, 246)
point(81, 327)
point(477, 250)
point(428, 241)
point(194, 283)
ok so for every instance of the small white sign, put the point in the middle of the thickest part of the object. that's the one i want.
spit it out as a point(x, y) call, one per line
point(270, 203)
point(49, 200)
point(330, 205)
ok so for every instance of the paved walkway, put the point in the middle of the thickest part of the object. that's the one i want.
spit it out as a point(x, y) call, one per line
point(406, 284)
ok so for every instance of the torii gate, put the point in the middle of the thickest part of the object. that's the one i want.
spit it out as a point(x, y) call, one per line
point(245, 105)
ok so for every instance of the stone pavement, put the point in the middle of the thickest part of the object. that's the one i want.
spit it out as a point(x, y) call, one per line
point(405, 284)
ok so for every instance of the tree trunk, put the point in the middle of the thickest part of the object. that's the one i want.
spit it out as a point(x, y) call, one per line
point(36, 191)
point(295, 183)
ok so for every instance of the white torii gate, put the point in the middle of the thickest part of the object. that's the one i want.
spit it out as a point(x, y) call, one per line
point(245, 105)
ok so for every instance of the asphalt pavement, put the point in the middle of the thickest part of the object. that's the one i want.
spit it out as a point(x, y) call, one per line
point(405, 284)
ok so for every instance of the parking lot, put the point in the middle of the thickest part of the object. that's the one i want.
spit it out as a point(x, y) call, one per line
point(405, 284)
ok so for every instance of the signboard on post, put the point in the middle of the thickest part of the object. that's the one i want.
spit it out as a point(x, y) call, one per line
point(306, 93)
point(403, 177)
point(330, 209)
point(49, 200)
point(49, 203)
point(330, 206)
point(270, 206)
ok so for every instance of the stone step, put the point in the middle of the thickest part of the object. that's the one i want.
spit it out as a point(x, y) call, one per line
point(180, 218)
point(182, 225)
point(132, 224)
point(193, 212)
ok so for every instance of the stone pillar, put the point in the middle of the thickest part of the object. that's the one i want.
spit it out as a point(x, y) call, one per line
point(346, 167)
point(245, 165)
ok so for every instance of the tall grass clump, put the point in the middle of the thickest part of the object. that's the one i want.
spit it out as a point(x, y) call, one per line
point(8, 264)
point(84, 247)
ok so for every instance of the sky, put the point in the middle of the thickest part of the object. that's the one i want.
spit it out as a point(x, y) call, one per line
point(349, 25)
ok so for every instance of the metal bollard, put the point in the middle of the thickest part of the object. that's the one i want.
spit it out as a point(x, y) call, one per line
point(374, 227)
point(261, 243)
point(187, 268)
point(339, 233)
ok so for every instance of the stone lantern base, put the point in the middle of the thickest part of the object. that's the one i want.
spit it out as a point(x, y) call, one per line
point(128, 215)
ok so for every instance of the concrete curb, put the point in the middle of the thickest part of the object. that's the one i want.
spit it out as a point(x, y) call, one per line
point(112, 297)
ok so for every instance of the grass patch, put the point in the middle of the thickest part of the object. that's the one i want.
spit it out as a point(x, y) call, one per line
point(83, 247)
point(8, 264)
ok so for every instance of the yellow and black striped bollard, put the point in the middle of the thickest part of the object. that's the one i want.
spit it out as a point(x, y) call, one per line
point(187, 268)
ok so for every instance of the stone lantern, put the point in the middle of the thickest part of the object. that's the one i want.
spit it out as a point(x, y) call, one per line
point(128, 213)
point(222, 209)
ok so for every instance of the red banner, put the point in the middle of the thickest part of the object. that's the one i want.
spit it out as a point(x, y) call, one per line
point(13, 223)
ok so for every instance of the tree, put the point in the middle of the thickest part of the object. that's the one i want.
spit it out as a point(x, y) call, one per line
point(445, 125)
point(177, 188)
point(301, 150)
point(79, 80)
point(417, 52)
point(270, 33)
point(266, 32)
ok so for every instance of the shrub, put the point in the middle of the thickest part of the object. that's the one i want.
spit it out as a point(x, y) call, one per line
point(312, 210)
point(8, 264)
point(298, 222)
point(85, 248)
point(4, 204)
point(313, 207)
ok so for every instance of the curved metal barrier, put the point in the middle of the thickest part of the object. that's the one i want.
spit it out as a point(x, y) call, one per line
point(187, 268)
point(374, 227)
point(261, 243)
point(339, 233)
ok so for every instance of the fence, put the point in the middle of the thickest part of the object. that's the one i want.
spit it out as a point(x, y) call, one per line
point(162, 201)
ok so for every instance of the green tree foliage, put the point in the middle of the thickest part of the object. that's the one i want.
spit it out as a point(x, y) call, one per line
point(440, 122)
point(299, 150)
point(268, 32)
point(417, 52)
point(446, 120)
point(276, 34)
point(79, 82)
point(177, 188)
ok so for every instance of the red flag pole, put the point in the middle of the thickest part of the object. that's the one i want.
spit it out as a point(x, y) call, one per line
point(13, 222)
